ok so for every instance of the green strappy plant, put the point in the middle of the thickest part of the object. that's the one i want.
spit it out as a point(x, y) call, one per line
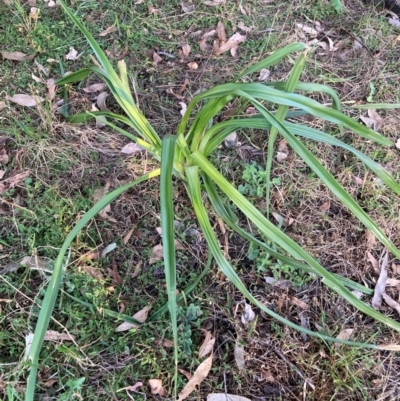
point(185, 156)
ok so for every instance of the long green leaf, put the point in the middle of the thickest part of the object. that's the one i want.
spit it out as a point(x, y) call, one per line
point(168, 238)
point(231, 221)
point(274, 58)
point(284, 241)
point(192, 174)
point(53, 287)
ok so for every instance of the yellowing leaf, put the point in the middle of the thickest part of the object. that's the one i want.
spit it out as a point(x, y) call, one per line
point(199, 375)
point(140, 316)
point(25, 100)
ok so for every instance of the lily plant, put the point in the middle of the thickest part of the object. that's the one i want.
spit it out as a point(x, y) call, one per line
point(186, 157)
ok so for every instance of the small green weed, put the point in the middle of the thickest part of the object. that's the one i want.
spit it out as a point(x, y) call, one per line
point(188, 318)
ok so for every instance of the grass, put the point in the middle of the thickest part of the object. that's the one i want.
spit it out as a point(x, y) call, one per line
point(63, 179)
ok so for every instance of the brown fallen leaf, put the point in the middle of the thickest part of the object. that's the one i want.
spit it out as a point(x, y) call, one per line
point(101, 101)
point(325, 206)
point(52, 335)
point(232, 43)
point(226, 397)
point(99, 194)
point(153, 10)
point(156, 58)
point(371, 239)
point(239, 355)
point(37, 79)
point(374, 262)
point(114, 274)
point(134, 387)
point(380, 286)
point(108, 30)
point(15, 56)
point(167, 343)
point(51, 86)
point(207, 345)
point(2, 173)
point(186, 49)
point(2, 105)
point(245, 28)
point(214, 2)
point(193, 65)
point(13, 181)
point(131, 148)
point(3, 157)
point(156, 387)
point(25, 100)
point(185, 373)
point(129, 233)
point(157, 254)
point(374, 120)
point(221, 32)
point(137, 269)
point(93, 272)
point(343, 335)
point(282, 220)
point(391, 302)
point(199, 375)
point(308, 30)
point(298, 302)
point(41, 68)
point(140, 316)
point(95, 87)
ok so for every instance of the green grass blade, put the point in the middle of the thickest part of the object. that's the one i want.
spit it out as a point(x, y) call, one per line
point(375, 106)
point(53, 287)
point(168, 238)
point(273, 59)
point(231, 221)
point(192, 174)
point(284, 241)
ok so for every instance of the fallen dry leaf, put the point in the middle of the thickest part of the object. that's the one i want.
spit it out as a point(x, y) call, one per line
point(280, 156)
point(25, 100)
point(374, 120)
point(43, 69)
point(153, 10)
point(108, 30)
point(214, 2)
point(13, 181)
point(188, 7)
point(2, 104)
point(157, 254)
point(232, 43)
point(248, 316)
point(307, 30)
point(114, 274)
point(298, 302)
point(186, 49)
point(183, 108)
point(37, 79)
point(2, 173)
point(34, 13)
point(156, 58)
point(379, 290)
point(15, 56)
point(199, 375)
point(371, 239)
point(325, 206)
point(245, 28)
point(282, 220)
point(140, 316)
point(221, 32)
point(131, 148)
point(95, 87)
point(72, 54)
point(282, 284)
point(135, 386)
point(99, 194)
point(208, 344)
point(225, 397)
point(35, 262)
point(167, 343)
point(52, 335)
point(264, 74)
point(156, 387)
point(397, 142)
point(193, 65)
point(374, 262)
point(3, 157)
point(185, 373)
point(239, 355)
point(93, 272)
point(51, 87)
point(343, 335)
point(392, 303)
point(101, 101)
point(394, 21)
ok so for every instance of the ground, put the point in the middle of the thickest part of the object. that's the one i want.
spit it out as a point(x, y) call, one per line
point(66, 167)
